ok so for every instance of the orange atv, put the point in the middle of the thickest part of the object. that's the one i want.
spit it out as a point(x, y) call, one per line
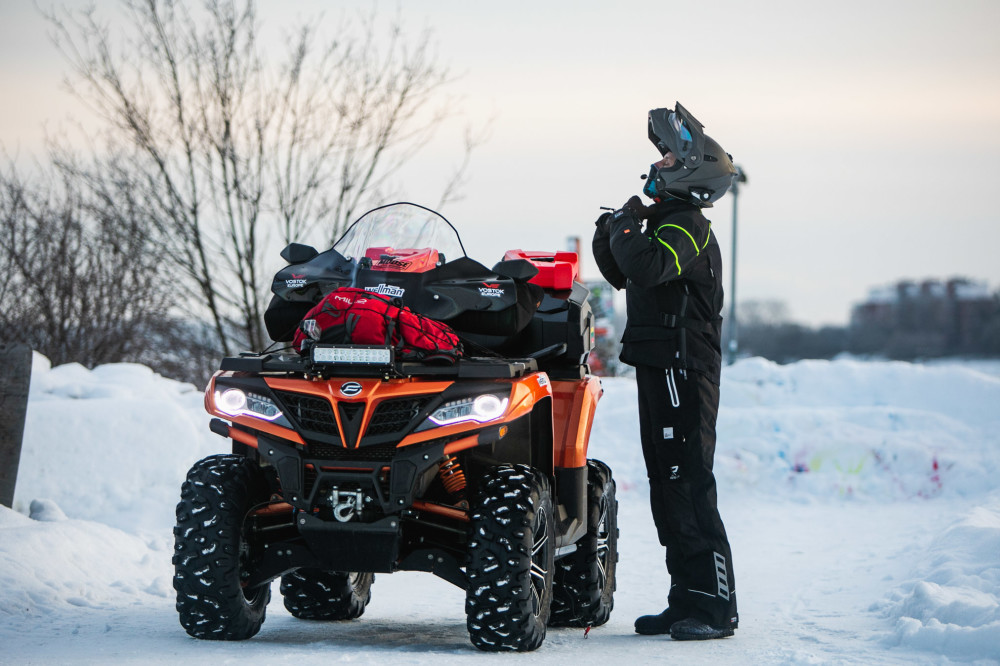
point(349, 460)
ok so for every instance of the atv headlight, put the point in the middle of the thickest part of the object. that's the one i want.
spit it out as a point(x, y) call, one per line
point(480, 408)
point(237, 402)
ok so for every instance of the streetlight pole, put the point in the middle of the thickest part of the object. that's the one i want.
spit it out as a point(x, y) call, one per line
point(732, 345)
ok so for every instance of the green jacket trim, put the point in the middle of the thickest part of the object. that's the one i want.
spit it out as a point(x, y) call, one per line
point(672, 251)
point(697, 250)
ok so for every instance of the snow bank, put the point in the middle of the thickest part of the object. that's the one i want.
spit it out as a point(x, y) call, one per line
point(827, 429)
point(953, 605)
point(48, 564)
point(110, 444)
point(113, 444)
point(882, 430)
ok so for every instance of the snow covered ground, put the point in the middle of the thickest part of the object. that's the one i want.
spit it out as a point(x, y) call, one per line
point(860, 499)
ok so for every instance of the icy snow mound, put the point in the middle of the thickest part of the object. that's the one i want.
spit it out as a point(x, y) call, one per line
point(872, 429)
point(953, 605)
point(884, 430)
point(112, 444)
point(51, 564)
point(956, 390)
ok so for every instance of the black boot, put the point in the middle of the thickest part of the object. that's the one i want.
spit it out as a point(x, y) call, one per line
point(651, 625)
point(691, 629)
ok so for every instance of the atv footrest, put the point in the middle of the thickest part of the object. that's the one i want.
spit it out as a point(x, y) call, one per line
point(437, 562)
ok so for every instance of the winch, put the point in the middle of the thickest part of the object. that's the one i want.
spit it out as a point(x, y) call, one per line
point(346, 503)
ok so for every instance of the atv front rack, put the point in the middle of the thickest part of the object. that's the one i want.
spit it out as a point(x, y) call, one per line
point(464, 368)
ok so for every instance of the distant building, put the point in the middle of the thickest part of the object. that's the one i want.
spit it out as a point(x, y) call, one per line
point(930, 318)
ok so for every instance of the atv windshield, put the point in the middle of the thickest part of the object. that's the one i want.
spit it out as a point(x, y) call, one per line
point(401, 237)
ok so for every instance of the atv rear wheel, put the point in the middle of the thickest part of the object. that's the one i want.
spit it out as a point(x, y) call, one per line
point(584, 585)
point(314, 594)
point(215, 547)
point(511, 551)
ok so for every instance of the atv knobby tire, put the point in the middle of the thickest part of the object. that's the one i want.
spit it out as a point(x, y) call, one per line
point(214, 546)
point(510, 565)
point(314, 594)
point(584, 584)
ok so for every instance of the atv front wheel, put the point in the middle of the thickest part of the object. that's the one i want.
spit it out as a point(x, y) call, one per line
point(314, 594)
point(584, 585)
point(511, 551)
point(214, 548)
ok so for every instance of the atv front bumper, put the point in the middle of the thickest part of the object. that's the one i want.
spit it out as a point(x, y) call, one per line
point(370, 537)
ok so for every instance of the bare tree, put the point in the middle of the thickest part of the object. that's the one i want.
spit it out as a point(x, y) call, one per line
point(233, 158)
point(80, 280)
point(764, 312)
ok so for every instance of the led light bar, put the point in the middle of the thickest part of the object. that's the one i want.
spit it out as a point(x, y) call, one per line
point(352, 355)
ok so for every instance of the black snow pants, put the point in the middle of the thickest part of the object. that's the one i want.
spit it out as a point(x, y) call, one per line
point(677, 413)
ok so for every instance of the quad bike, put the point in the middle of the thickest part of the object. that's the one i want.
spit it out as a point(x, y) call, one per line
point(349, 461)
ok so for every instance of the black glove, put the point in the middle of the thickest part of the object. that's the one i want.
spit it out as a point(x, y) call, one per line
point(602, 227)
point(634, 206)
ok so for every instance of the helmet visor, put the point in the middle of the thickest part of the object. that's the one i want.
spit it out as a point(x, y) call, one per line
point(683, 134)
point(678, 132)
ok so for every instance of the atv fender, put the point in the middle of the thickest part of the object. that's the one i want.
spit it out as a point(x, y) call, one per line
point(571, 505)
point(573, 405)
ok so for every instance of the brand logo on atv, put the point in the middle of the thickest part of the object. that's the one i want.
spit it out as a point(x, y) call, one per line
point(297, 281)
point(387, 290)
point(350, 388)
point(393, 262)
point(491, 290)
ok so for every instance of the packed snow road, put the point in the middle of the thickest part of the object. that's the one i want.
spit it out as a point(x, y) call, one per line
point(804, 598)
point(858, 496)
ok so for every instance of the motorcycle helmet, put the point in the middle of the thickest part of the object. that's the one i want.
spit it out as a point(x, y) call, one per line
point(703, 172)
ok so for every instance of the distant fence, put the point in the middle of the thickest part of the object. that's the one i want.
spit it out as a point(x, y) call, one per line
point(15, 376)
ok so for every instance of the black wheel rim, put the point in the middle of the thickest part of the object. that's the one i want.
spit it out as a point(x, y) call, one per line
point(603, 544)
point(538, 574)
point(247, 555)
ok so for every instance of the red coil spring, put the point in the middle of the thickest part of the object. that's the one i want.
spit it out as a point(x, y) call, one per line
point(452, 475)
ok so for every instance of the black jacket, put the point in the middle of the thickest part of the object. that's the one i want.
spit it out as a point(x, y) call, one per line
point(672, 273)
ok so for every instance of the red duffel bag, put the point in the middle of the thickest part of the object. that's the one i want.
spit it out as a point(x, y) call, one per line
point(354, 316)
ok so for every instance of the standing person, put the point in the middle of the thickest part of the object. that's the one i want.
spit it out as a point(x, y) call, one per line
point(672, 275)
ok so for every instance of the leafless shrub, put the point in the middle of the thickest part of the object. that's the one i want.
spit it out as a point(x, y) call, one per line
point(80, 279)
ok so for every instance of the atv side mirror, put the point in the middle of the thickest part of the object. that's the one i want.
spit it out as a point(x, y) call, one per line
point(296, 253)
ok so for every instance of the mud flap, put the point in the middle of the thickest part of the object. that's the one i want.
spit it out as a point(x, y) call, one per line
point(571, 504)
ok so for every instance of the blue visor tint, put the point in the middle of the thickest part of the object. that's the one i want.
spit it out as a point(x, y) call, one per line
point(683, 133)
point(649, 189)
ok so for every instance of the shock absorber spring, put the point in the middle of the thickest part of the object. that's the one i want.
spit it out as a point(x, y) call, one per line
point(452, 475)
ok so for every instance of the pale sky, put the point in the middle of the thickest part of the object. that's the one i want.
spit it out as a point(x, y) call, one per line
point(870, 131)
